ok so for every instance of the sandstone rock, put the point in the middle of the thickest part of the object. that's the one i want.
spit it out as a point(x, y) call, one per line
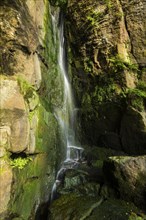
point(128, 175)
point(10, 95)
point(14, 119)
point(136, 23)
point(5, 185)
point(19, 41)
point(37, 10)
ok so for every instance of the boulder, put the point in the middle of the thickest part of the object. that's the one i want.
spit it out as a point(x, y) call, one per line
point(128, 176)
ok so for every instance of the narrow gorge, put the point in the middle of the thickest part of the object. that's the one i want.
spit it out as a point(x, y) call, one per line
point(73, 110)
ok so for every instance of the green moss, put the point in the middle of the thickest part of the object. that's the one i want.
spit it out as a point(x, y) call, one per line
point(47, 124)
point(51, 90)
point(26, 201)
point(78, 207)
point(29, 185)
point(115, 209)
point(26, 89)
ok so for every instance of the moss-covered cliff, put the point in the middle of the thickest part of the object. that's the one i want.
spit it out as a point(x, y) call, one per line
point(108, 64)
point(29, 133)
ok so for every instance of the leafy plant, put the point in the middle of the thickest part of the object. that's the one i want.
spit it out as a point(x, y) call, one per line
point(118, 64)
point(109, 4)
point(20, 162)
point(88, 65)
point(93, 17)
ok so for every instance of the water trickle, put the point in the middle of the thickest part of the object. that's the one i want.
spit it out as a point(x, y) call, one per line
point(66, 115)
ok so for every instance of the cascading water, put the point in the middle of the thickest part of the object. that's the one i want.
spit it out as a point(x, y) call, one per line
point(66, 115)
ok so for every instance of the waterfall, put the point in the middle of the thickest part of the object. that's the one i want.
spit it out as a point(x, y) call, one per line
point(66, 115)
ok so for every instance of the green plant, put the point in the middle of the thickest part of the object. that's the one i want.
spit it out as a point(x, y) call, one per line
point(104, 94)
point(109, 4)
point(116, 63)
point(88, 65)
point(93, 17)
point(20, 162)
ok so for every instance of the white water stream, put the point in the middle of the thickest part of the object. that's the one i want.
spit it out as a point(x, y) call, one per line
point(66, 115)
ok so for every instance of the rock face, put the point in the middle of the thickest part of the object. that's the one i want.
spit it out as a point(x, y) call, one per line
point(29, 133)
point(107, 62)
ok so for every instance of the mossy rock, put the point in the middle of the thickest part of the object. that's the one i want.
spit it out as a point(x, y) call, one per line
point(75, 207)
point(127, 175)
point(29, 186)
point(114, 209)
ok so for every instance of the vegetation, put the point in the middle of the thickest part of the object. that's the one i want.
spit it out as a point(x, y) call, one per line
point(116, 63)
point(20, 162)
point(26, 89)
point(88, 65)
point(138, 95)
point(58, 2)
point(109, 4)
point(93, 17)
point(105, 93)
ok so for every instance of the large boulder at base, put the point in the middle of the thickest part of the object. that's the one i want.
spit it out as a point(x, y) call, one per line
point(76, 207)
point(128, 176)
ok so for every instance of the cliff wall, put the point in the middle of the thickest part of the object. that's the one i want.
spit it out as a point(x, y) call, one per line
point(108, 65)
point(28, 129)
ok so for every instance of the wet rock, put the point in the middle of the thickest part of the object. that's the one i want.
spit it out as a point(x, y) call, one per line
point(76, 207)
